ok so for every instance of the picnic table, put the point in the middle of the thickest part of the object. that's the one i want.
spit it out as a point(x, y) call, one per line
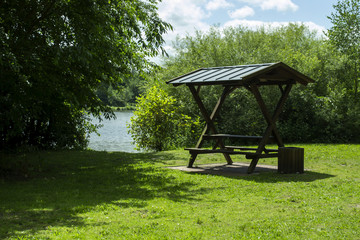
point(251, 77)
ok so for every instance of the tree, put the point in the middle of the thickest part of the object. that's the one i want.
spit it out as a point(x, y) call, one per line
point(54, 56)
point(345, 33)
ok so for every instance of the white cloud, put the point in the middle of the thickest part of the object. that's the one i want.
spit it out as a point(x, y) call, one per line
point(217, 4)
point(314, 27)
point(257, 24)
point(242, 12)
point(279, 5)
point(181, 12)
point(185, 16)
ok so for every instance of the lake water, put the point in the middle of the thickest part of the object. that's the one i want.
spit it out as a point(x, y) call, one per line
point(113, 135)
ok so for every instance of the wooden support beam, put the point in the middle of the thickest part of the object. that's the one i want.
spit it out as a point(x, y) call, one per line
point(192, 159)
point(227, 90)
point(265, 112)
point(271, 122)
point(209, 120)
point(281, 89)
point(198, 89)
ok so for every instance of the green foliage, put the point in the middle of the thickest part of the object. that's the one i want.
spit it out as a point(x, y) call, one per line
point(320, 112)
point(157, 123)
point(345, 35)
point(123, 94)
point(345, 32)
point(55, 55)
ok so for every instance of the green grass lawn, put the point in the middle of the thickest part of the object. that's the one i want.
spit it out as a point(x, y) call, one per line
point(100, 195)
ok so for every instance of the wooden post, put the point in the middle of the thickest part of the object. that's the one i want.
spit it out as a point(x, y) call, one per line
point(291, 160)
point(192, 160)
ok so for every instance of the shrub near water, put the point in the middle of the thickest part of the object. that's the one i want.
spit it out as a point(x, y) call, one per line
point(157, 124)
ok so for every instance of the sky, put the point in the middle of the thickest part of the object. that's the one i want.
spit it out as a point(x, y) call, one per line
point(186, 16)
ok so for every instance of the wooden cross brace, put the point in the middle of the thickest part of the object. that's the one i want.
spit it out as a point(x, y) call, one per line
point(209, 120)
point(271, 121)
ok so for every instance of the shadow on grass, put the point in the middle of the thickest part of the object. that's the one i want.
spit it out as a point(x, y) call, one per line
point(263, 173)
point(71, 183)
point(273, 177)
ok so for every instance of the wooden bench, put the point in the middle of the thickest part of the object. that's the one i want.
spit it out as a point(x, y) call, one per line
point(230, 150)
point(266, 150)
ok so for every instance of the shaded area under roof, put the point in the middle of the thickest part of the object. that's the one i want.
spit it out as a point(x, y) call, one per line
point(243, 75)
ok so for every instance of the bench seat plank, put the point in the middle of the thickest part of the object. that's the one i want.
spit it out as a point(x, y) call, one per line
point(254, 149)
point(248, 155)
point(204, 151)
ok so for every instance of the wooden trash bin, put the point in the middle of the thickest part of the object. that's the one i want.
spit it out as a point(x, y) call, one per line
point(291, 160)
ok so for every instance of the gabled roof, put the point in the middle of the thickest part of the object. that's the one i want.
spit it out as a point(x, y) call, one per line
point(243, 75)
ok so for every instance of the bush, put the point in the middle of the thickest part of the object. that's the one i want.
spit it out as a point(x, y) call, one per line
point(157, 123)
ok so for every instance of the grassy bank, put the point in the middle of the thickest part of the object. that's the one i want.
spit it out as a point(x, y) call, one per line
point(121, 109)
point(99, 195)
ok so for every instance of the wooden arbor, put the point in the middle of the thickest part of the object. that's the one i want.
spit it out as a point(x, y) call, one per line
point(250, 77)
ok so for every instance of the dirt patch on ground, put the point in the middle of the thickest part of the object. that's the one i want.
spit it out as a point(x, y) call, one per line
point(236, 169)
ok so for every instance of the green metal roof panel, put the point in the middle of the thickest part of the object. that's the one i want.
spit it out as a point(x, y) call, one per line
point(219, 72)
point(238, 74)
